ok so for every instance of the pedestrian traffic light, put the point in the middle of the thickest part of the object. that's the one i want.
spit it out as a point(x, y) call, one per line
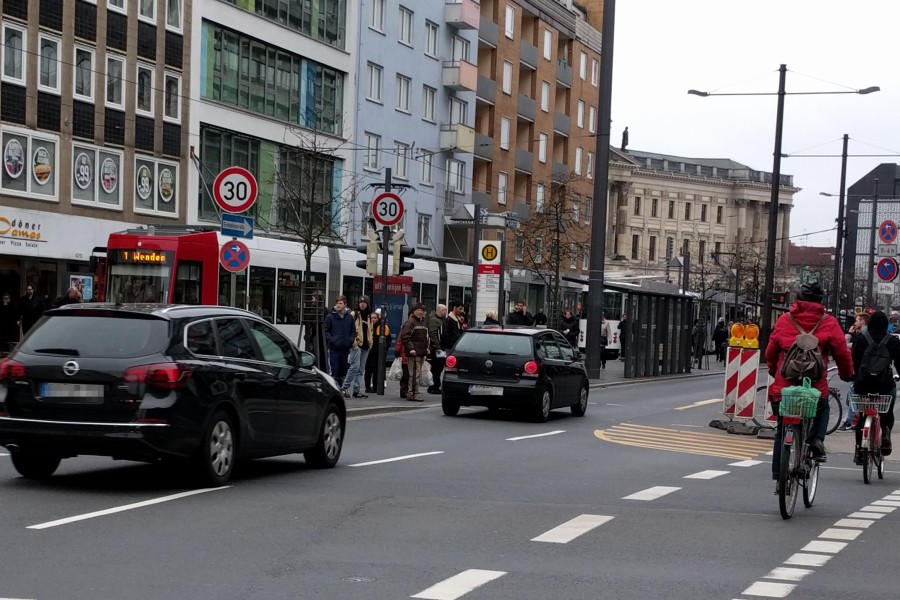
point(779, 298)
point(401, 251)
point(370, 249)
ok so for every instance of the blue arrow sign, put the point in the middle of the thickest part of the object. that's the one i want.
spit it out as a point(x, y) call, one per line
point(238, 226)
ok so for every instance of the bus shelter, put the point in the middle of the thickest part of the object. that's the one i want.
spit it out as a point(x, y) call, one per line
point(657, 335)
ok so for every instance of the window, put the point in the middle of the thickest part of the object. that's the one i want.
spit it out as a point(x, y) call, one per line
point(703, 213)
point(147, 10)
point(520, 247)
point(580, 114)
point(548, 44)
point(582, 69)
point(576, 210)
point(402, 162)
point(144, 97)
point(200, 338)
point(507, 77)
point(376, 16)
point(459, 50)
point(423, 237)
point(637, 206)
point(172, 97)
point(687, 211)
point(366, 213)
point(502, 183)
point(542, 147)
point(651, 253)
point(431, 39)
point(117, 5)
point(585, 264)
point(173, 15)
point(635, 246)
point(235, 343)
point(509, 24)
point(592, 119)
point(95, 175)
point(427, 160)
point(718, 247)
point(504, 133)
point(273, 346)
point(428, 95)
point(49, 81)
point(590, 165)
point(595, 72)
point(84, 74)
point(685, 247)
point(373, 143)
point(322, 20)
point(458, 111)
point(719, 215)
point(545, 96)
point(115, 67)
point(539, 198)
point(13, 54)
point(702, 251)
point(671, 209)
point(573, 255)
point(406, 24)
point(403, 84)
point(578, 158)
point(670, 246)
point(588, 207)
point(456, 174)
point(374, 91)
point(187, 282)
point(538, 249)
point(654, 207)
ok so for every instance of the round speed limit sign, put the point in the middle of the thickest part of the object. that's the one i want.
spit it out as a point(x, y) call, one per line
point(387, 209)
point(235, 189)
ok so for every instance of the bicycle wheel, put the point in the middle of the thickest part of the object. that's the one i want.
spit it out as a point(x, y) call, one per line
point(810, 482)
point(836, 411)
point(787, 476)
point(869, 457)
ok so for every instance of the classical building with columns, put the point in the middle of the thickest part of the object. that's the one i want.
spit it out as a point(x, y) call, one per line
point(692, 205)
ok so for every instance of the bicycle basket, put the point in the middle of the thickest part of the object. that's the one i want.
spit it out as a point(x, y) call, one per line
point(877, 402)
point(799, 401)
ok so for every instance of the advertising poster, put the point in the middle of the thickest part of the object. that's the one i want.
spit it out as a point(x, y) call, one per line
point(84, 284)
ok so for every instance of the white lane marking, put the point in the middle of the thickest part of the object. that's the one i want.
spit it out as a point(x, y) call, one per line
point(745, 463)
point(770, 589)
point(652, 493)
point(568, 531)
point(707, 475)
point(833, 533)
point(769, 453)
point(3, 454)
point(827, 547)
point(860, 523)
point(886, 503)
point(11, 598)
point(866, 515)
point(803, 559)
point(395, 459)
point(885, 498)
point(536, 435)
point(611, 404)
point(701, 403)
point(879, 509)
point(118, 509)
point(459, 585)
point(789, 574)
point(687, 425)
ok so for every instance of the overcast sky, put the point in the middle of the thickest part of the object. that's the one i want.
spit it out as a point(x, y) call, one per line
point(665, 47)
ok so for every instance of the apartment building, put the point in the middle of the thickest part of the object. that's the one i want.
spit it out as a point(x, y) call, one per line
point(94, 97)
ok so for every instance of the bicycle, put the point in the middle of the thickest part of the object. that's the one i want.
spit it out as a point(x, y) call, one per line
point(797, 466)
point(868, 453)
point(835, 404)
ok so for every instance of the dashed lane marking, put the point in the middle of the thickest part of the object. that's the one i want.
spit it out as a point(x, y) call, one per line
point(536, 435)
point(688, 442)
point(652, 493)
point(395, 459)
point(568, 531)
point(459, 585)
point(707, 475)
point(701, 403)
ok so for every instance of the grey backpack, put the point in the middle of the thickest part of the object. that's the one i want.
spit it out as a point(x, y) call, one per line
point(803, 358)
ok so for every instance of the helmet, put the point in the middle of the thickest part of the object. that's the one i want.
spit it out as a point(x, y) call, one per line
point(811, 291)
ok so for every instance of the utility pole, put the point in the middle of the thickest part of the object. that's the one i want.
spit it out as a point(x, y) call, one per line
point(870, 277)
point(839, 245)
point(473, 305)
point(382, 342)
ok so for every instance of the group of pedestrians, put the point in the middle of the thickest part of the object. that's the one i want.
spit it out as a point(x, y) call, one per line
point(17, 319)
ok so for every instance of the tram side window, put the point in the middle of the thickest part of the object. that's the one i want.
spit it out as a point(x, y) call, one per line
point(289, 297)
point(353, 289)
point(187, 282)
point(240, 294)
point(262, 292)
point(429, 294)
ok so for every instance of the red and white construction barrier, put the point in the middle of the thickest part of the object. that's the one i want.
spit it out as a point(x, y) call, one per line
point(732, 377)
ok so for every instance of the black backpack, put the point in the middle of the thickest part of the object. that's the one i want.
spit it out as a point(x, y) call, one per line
point(803, 358)
point(875, 373)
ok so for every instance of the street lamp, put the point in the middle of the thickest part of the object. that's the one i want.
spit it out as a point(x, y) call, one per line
point(769, 284)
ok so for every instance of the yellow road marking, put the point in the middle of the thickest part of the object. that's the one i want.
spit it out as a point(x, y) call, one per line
point(702, 403)
point(686, 442)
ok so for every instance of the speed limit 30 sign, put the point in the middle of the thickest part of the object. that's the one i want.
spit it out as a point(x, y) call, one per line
point(235, 189)
point(387, 209)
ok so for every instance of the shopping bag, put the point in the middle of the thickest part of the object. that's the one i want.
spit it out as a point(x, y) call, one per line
point(426, 379)
point(396, 370)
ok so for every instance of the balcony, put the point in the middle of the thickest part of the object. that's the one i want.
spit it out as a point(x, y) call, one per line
point(563, 73)
point(457, 138)
point(526, 107)
point(561, 123)
point(462, 14)
point(488, 32)
point(528, 55)
point(460, 76)
point(487, 89)
point(484, 147)
point(560, 173)
point(524, 161)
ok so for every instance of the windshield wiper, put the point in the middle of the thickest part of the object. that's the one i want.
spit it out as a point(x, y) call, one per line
point(64, 351)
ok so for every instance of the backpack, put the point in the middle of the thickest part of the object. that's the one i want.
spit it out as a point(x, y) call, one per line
point(875, 373)
point(803, 358)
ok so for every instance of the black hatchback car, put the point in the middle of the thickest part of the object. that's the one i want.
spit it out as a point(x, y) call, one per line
point(533, 369)
point(195, 384)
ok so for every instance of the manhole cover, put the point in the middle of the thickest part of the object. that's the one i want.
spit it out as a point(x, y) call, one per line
point(358, 579)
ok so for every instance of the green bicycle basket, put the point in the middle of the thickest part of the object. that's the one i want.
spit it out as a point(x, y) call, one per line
point(799, 400)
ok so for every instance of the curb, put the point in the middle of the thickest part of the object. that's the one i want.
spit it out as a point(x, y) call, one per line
point(601, 385)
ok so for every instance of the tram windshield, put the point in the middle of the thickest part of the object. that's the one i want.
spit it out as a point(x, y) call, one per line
point(137, 276)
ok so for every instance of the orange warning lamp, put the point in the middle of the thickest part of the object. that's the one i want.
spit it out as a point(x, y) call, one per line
point(737, 334)
point(751, 336)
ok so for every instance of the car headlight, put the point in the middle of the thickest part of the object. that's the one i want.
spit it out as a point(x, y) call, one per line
point(331, 380)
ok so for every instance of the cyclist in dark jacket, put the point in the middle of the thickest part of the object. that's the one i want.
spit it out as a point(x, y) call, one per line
point(877, 329)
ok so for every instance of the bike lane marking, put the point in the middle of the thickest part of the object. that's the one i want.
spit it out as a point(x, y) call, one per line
point(568, 531)
point(395, 459)
point(707, 475)
point(652, 493)
point(459, 585)
point(698, 404)
point(536, 435)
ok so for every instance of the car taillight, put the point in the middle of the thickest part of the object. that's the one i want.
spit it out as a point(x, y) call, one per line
point(531, 368)
point(161, 376)
point(10, 369)
point(450, 365)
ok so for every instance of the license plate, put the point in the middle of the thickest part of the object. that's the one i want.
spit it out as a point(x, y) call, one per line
point(485, 390)
point(82, 393)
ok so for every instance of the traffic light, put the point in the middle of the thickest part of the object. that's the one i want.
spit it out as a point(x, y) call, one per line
point(370, 249)
point(400, 252)
point(779, 298)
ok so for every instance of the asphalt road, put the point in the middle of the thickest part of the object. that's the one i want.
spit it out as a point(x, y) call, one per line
point(640, 498)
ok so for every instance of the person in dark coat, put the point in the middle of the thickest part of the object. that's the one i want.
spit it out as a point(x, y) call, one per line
point(719, 337)
point(877, 329)
point(379, 329)
point(340, 335)
point(490, 319)
point(31, 307)
point(568, 326)
point(8, 319)
point(540, 318)
point(520, 316)
point(73, 296)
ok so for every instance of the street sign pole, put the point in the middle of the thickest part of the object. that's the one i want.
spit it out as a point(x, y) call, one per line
point(382, 342)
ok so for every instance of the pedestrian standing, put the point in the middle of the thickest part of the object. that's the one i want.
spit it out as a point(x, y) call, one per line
point(605, 335)
point(379, 330)
point(490, 318)
point(454, 325)
point(623, 334)
point(436, 354)
point(540, 318)
point(31, 307)
point(520, 316)
point(719, 337)
point(8, 318)
point(414, 335)
point(340, 336)
point(568, 326)
point(360, 350)
point(73, 296)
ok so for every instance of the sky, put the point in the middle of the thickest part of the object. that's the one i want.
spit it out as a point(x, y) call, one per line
point(665, 47)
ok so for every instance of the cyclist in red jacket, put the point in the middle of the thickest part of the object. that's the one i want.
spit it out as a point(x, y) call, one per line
point(807, 311)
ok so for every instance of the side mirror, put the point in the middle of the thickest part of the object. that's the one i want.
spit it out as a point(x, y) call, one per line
point(307, 360)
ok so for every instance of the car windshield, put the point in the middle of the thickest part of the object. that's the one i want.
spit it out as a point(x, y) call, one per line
point(97, 336)
point(499, 344)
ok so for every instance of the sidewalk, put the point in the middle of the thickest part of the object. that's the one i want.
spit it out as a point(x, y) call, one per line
point(614, 374)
